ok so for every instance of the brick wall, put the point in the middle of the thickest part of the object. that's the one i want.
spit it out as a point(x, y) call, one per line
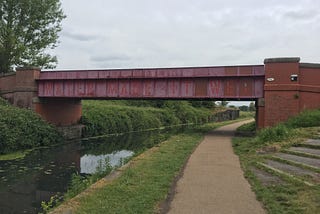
point(285, 97)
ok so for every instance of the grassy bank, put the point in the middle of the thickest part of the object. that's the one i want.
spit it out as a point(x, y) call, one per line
point(145, 184)
point(23, 129)
point(108, 117)
point(290, 193)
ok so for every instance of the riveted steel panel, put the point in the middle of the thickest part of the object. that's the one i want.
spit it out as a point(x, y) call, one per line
point(201, 87)
point(90, 88)
point(174, 88)
point(48, 88)
point(192, 82)
point(112, 88)
point(187, 88)
point(148, 88)
point(160, 88)
point(58, 89)
point(93, 74)
point(41, 89)
point(68, 88)
point(136, 88)
point(259, 87)
point(245, 71)
point(101, 88)
point(246, 87)
point(215, 88)
point(230, 88)
point(79, 88)
point(124, 88)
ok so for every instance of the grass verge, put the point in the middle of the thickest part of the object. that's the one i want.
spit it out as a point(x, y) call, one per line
point(289, 196)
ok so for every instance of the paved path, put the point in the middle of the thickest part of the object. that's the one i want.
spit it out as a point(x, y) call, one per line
point(213, 181)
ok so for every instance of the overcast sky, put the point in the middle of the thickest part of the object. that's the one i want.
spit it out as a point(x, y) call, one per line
point(163, 33)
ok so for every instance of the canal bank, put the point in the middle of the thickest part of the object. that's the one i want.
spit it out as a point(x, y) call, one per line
point(143, 185)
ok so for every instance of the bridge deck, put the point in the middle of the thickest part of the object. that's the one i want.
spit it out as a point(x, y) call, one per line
point(227, 82)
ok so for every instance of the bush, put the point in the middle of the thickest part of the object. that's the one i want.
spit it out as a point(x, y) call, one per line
point(274, 134)
point(23, 129)
point(108, 117)
point(305, 119)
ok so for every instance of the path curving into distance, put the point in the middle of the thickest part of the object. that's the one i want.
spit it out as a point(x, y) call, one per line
point(212, 181)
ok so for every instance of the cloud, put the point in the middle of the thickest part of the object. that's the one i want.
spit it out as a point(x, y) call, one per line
point(116, 57)
point(144, 33)
point(301, 15)
point(82, 37)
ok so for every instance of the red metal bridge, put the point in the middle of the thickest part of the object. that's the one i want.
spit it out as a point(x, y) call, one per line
point(228, 82)
point(282, 87)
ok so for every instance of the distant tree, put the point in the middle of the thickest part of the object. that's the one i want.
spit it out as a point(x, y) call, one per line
point(252, 106)
point(28, 28)
point(244, 108)
point(203, 103)
point(224, 103)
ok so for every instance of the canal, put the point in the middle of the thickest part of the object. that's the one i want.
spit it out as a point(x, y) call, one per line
point(45, 172)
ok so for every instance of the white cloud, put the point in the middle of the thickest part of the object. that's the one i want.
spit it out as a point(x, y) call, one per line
point(144, 33)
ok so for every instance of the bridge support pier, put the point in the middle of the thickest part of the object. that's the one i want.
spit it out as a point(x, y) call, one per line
point(59, 111)
point(290, 87)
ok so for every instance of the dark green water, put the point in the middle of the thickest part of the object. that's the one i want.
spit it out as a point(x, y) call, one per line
point(25, 183)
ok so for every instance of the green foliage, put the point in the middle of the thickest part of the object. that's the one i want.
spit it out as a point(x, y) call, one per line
point(274, 134)
point(27, 29)
point(247, 127)
point(244, 108)
point(203, 104)
point(103, 117)
point(23, 129)
point(305, 119)
point(252, 106)
point(284, 131)
point(3, 102)
point(54, 201)
point(287, 197)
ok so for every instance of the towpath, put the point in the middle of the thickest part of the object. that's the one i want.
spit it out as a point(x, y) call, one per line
point(212, 181)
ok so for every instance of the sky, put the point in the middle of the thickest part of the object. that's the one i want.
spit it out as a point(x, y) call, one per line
point(173, 33)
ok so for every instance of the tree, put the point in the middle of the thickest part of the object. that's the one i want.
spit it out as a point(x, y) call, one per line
point(224, 103)
point(28, 28)
point(244, 108)
point(252, 106)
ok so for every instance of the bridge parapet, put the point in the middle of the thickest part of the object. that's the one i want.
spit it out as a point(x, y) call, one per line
point(228, 82)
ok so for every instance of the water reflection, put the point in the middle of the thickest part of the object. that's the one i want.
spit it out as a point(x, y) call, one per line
point(90, 164)
point(26, 182)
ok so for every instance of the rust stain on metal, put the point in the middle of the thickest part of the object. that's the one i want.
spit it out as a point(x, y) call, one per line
point(195, 83)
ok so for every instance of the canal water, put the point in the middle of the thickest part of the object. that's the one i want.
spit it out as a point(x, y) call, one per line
point(26, 182)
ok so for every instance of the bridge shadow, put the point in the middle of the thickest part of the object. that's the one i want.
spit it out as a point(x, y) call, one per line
point(224, 133)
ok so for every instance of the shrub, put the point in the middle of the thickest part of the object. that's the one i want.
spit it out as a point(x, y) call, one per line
point(23, 129)
point(305, 119)
point(274, 134)
point(107, 117)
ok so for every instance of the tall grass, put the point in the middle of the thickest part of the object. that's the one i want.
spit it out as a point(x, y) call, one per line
point(285, 130)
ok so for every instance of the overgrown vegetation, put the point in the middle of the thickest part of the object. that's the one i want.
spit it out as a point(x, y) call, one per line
point(289, 196)
point(108, 117)
point(23, 129)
